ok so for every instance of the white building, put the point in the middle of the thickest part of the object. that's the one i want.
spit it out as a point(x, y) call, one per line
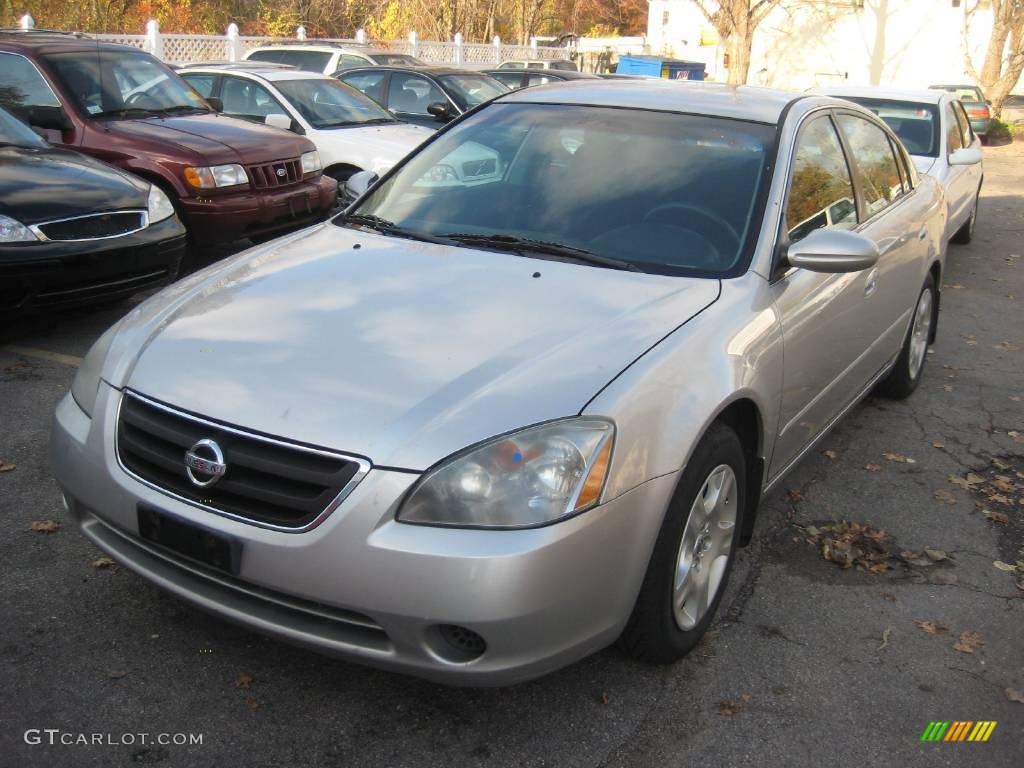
point(908, 43)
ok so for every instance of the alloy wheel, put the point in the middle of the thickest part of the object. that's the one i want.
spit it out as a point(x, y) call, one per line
point(919, 333)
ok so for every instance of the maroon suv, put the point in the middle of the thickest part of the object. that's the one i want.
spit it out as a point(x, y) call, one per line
point(228, 178)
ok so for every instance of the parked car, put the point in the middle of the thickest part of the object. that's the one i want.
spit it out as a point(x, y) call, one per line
point(1013, 110)
point(227, 178)
point(933, 126)
point(525, 78)
point(975, 103)
point(508, 423)
point(427, 96)
point(327, 58)
point(562, 64)
point(74, 230)
point(351, 131)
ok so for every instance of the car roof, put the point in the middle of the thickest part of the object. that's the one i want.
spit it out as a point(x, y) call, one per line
point(921, 95)
point(244, 66)
point(568, 74)
point(44, 41)
point(764, 105)
point(270, 74)
point(324, 47)
point(436, 71)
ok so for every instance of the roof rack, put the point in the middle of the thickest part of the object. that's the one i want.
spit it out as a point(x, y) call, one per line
point(38, 31)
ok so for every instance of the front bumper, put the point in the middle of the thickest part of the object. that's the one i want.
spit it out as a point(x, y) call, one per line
point(50, 275)
point(223, 218)
point(364, 587)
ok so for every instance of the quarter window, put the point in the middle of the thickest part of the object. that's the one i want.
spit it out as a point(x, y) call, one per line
point(821, 190)
point(872, 152)
point(22, 87)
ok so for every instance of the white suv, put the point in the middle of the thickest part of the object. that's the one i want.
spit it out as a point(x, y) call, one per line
point(328, 58)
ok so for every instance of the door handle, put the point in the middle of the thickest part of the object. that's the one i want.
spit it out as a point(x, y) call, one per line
point(922, 234)
point(871, 283)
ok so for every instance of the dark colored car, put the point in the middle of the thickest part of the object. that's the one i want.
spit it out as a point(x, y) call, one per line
point(228, 178)
point(974, 101)
point(428, 96)
point(526, 78)
point(75, 230)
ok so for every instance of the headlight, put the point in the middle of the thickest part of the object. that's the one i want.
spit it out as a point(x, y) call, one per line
point(87, 380)
point(230, 175)
point(529, 478)
point(310, 162)
point(12, 231)
point(160, 206)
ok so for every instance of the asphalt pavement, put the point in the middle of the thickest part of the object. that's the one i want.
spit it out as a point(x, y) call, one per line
point(809, 663)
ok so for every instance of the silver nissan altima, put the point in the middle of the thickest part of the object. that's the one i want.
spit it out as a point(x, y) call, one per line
point(521, 400)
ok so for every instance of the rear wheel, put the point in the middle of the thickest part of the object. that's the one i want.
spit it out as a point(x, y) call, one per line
point(906, 374)
point(693, 555)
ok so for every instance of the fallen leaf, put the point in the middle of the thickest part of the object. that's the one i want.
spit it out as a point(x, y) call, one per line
point(931, 627)
point(794, 495)
point(948, 387)
point(996, 517)
point(967, 483)
point(916, 558)
point(7, 467)
point(885, 637)
point(873, 467)
point(1004, 566)
point(898, 457)
point(954, 286)
point(1000, 465)
point(830, 455)
point(746, 697)
point(943, 577)
point(1017, 437)
point(46, 526)
point(244, 680)
point(943, 495)
point(998, 498)
point(102, 562)
point(1015, 695)
point(812, 531)
point(1020, 583)
point(116, 675)
point(938, 445)
point(889, 596)
point(605, 699)
point(252, 704)
point(969, 642)
point(879, 568)
point(1002, 484)
point(730, 708)
point(936, 555)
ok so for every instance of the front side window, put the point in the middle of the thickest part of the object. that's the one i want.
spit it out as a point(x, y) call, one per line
point(22, 87)
point(412, 94)
point(123, 85)
point(871, 151)
point(665, 192)
point(821, 189)
point(511, 80)
point(954, 140)
point(331, 104)
point(202, 83)
point(966, 134)
point(370, 83)
point(470, 90)
point(248, 100)
point(916, 124)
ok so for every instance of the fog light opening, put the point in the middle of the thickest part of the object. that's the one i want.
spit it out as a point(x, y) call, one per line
point(455, 644)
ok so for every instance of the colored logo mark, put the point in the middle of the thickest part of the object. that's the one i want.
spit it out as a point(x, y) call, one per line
point(958, 730)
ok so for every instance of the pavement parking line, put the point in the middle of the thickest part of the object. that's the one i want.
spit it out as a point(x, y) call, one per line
point(42, 354)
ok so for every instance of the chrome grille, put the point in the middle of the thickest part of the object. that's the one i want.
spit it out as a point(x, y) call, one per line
point(277, 174)
point(95, 226)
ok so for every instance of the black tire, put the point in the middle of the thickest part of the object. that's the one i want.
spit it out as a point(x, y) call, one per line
point(965, 234)
point(652, 633)
point(902, 381)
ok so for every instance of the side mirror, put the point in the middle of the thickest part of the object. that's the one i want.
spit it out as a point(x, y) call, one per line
point(51, 118)
point(215, 104)
point(357, 184)
point(277, 120)
point(966, 156)
point(833, 251)
point(440, 110)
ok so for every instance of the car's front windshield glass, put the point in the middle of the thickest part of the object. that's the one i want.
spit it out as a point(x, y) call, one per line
point(470, 90)
point(917, 124)
point(16, 133)
point(664, 192)
point(124, 85)
point(331, 104)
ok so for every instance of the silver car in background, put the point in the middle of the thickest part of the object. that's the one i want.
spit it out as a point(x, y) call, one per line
point(521, 400)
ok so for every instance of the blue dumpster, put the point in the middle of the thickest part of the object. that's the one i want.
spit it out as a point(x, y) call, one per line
point(658, 66)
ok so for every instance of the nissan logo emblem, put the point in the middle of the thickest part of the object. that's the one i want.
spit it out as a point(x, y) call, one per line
point(204, 463)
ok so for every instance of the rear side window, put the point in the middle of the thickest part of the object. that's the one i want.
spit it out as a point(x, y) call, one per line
point(22, 87)
point(873, 155)
point(272, 56)
point(202, 83)
point(348, 61)
point(821, 189)
point(311, 61)
point(370, 83)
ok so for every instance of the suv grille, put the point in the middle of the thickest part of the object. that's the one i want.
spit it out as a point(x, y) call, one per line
point(268, 482)
point(272, 175)
point(95, 226)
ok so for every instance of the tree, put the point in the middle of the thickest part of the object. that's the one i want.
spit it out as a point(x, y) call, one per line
point(1004, 54)
point(736, 21)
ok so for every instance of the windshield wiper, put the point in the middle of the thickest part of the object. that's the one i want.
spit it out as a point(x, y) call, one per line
point(385, 227)
point(126, 111)
point(180, 108)
point(521, 245)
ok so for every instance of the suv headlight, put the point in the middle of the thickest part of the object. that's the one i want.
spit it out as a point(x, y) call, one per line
point(160, 206)
point(13, 231)
point(87, 380)
point(310, 162)
point(208, 177)
point(533, 477)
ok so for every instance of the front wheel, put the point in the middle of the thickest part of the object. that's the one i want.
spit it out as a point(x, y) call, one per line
point(906, 374)
point(693, 555)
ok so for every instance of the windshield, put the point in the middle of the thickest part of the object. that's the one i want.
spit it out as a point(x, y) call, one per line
point(963, 92)
point(331, 104)
point(123, 85)
point(665, 192)
point(13, 131)
point(916, 124)
point(470, 90)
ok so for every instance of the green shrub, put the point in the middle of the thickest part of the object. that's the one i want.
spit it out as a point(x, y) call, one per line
point(999, 132)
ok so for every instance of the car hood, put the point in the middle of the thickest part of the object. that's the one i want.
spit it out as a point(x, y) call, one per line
point(44, 183)
point(401, 351)
point(215, 138)
point(382, 145)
